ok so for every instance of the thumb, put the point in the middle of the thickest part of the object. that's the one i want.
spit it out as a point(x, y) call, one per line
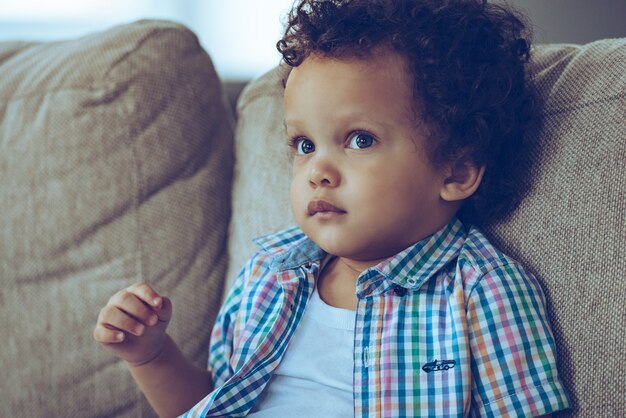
point(164, 312)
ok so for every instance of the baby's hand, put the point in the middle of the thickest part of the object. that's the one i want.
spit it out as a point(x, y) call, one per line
point(132, 324)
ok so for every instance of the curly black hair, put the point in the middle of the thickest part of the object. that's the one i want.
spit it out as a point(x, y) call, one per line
point(467, 61)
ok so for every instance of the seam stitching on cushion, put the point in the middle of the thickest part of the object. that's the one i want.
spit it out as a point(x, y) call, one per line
point(98, 84)
point(138, 45)
point(11, 98)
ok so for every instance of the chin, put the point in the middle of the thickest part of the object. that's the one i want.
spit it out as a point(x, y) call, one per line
point(327, 241)
point(340, 248)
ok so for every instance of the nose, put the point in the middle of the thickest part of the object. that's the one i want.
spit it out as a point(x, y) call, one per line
point(323, 173)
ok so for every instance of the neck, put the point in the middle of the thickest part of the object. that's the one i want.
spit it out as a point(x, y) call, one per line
point(356, 267)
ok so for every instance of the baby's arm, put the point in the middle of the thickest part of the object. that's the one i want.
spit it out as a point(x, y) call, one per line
point(132, 326)
point(512, 346)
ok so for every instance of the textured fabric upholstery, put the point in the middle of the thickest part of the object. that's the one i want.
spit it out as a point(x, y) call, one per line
point(262, 171)
point(569, 230)
point(115, 167)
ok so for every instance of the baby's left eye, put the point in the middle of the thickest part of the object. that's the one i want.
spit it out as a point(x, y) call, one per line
point(361, 140)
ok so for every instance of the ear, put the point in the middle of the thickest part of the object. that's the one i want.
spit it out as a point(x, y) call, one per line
point(462, 180)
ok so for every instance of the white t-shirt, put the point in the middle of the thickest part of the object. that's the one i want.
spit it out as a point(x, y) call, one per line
point(315, 377)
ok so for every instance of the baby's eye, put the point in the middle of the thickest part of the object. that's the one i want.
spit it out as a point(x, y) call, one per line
point(304, 146)
point(360, 140)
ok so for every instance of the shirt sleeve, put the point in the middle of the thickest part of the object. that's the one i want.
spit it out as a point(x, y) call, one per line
point(513, 349)
point(223, 333)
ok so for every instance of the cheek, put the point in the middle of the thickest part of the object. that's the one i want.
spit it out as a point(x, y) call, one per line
point(385, 185)
point(296, 197)
point(293, 192)
point(394, 192)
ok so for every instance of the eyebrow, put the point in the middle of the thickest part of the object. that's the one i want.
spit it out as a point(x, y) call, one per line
point(359, 118)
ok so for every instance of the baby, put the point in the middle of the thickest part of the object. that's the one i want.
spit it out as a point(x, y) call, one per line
point(407, 121)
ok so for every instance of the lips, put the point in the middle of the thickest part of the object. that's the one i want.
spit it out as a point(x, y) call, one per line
point(321, 206)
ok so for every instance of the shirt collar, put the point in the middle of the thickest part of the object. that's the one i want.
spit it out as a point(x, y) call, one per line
point(410, 268)
point(292, 249)
point(413, 267)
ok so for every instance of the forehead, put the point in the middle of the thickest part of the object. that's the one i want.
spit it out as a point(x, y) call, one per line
point(378, 84)
point(382, 65)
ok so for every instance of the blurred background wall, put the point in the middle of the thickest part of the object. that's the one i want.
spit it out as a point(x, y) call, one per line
point(574, 21)
point(240, 34)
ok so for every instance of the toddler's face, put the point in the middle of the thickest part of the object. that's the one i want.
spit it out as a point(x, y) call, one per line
point(363, 187)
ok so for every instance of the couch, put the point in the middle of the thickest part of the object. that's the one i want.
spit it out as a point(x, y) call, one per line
point(120, 162)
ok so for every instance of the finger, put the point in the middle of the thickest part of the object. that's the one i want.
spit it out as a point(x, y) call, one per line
point(129, 302)
point(147, 294)
point(165, 312)
point(106, 335)
point(113, 317)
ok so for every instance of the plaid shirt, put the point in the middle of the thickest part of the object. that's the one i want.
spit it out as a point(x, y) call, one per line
point(448, 327)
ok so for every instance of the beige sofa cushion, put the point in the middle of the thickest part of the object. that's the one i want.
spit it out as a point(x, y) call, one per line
point(262, 170)
point(569, 230)
point(115, 167)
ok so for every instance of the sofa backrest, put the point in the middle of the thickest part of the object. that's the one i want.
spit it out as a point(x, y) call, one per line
point(569, 230)
point(115, 168)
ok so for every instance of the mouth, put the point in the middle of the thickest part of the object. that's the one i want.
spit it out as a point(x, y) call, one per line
point(323, 208)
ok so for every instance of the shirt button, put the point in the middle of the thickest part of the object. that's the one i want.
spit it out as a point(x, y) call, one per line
point(399, 290)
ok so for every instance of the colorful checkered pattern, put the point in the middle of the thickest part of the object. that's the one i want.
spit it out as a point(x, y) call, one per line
point(449, 327)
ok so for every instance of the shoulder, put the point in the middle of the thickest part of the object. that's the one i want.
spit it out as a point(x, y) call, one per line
point(479, 253)
point(481, 263)
point(256, 279)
